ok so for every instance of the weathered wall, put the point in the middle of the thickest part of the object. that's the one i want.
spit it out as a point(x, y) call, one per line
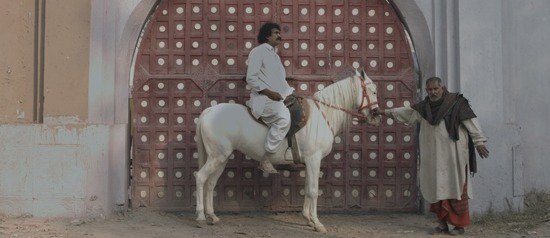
point(61, 167)
point(16, 61)
point(66, 57)
point(481, 81)
point(54, 171)
point(526, 59)
point(66, 60)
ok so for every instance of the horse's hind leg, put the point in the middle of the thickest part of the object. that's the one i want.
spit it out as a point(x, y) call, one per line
point(306, 213)
point(210, 185)
point(211, 165)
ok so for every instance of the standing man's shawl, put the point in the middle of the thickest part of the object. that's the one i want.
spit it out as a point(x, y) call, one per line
point(453, 108)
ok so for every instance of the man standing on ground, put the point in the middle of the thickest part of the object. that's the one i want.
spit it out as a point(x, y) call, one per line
point(449, 130)
point(267, 78)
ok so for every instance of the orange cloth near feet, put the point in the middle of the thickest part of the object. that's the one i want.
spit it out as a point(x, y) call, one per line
point(453, 211)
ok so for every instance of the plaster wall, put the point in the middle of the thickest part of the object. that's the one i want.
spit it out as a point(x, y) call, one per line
point(66, 57)
point(526, 78)
point(16, 63)
point(54, 170)
point(66, 54)
point(61, 167)
point(481, 81)
point(76, 163)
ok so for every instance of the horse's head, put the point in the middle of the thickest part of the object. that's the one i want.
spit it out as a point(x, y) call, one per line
point(366, 98)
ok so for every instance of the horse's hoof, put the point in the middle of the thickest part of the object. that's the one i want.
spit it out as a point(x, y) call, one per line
point(309, 222)
point(213, 220)
point(321, 229)
point(201, 223)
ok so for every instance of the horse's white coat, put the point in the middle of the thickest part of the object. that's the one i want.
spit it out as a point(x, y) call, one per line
point(223, 128)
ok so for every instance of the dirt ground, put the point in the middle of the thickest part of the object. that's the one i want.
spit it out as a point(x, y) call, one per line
point(148, 223)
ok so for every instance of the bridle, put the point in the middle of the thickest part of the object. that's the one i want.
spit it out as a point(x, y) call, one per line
point(361, 118)
point(370, 105)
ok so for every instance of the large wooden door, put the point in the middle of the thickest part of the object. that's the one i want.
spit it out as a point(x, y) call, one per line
point(194, 54)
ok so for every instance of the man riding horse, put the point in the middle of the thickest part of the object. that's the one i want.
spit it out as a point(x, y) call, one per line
point(267, 78)
point(227, 127)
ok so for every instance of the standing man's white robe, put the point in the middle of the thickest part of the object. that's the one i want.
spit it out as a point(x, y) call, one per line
point(443, 161)
point(265, 70)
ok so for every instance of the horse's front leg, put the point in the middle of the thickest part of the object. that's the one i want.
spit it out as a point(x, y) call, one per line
point(306, 212)
point(312, 191)
point(210, 185)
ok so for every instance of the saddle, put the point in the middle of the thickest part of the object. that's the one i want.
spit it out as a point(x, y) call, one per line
point(299, 114)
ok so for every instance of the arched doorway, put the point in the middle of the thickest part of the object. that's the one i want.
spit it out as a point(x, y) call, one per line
point(193, 55)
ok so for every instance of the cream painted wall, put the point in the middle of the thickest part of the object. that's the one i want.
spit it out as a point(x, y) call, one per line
point(67, 59)
point(16, 61)
point(67, 29)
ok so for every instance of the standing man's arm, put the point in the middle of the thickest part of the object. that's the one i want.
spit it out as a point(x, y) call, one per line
point(401, 114)
point(253, 75)
point(474, 129)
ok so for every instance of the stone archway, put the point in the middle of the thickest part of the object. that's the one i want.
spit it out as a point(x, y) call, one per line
point(242, 172)
point(415, 22)
point(111, 53)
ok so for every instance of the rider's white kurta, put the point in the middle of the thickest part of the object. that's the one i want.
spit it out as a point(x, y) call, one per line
point(265, 70)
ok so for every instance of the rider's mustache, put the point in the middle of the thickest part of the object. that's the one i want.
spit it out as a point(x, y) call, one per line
point(279, 38)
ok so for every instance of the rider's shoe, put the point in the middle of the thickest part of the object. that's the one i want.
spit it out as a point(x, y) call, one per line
point(267, 167)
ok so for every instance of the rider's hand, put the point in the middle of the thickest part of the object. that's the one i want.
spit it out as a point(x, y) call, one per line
point(272, 95)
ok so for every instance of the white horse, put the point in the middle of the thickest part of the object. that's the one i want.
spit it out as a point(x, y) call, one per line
point(223, 128)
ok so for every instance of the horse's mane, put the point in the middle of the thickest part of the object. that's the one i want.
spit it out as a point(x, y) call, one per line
point(342, 94)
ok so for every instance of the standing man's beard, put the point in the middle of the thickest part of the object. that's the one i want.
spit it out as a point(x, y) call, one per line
point(434, 97)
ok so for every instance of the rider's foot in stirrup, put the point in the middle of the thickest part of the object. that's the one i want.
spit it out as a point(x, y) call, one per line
point(267, 167)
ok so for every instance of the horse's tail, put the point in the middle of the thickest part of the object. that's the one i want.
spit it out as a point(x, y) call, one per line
point(200, 143)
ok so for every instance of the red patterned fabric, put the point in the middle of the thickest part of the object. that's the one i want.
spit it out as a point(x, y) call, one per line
point(453, 211)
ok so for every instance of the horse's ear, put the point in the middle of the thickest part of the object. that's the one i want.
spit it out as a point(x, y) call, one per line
point(357, 72)
point(363, 74)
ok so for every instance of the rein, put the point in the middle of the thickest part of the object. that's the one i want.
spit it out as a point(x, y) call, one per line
point(357, 113)
point(348, 111)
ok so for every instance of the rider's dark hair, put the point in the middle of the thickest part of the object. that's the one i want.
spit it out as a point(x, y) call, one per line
point(265, 31)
